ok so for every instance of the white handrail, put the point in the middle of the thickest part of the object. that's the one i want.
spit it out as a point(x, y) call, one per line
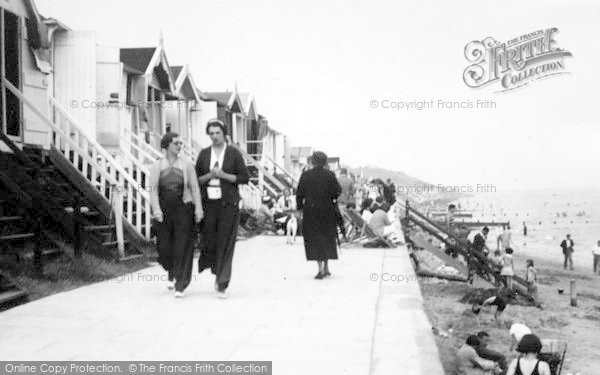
point(141, 196)
point(100, 149)
point(151, 149)
point(283, 169)
point(139, 150)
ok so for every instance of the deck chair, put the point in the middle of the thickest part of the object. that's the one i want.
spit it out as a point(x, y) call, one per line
point(365, 229)
point(553, 352)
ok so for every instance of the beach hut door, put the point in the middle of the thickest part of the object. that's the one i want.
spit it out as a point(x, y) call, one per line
point(10, 105)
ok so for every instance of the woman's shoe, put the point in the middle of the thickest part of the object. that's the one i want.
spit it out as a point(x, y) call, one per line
point(327, 274)
point(222, 294)
point(320, 276)
point(171, 285)
point(179, 295)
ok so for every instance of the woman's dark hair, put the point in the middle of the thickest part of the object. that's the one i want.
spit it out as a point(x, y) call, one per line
point(508, 250)
point(530, 263)
point(216, 123)
point(366, 204)
point(319, 159)
point(472, 340)
point(167, 139)
point(529, 344)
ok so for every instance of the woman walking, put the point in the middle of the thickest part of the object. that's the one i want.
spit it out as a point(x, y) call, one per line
point(175, 200)
point(317, 189)
point(221, 168)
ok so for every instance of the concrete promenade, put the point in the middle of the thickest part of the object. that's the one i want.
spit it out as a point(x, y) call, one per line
point(358, 321)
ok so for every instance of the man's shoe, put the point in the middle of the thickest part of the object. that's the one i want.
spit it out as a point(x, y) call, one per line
point(179, 295)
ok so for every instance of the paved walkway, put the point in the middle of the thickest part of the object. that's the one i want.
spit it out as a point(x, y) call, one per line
point(347, 324)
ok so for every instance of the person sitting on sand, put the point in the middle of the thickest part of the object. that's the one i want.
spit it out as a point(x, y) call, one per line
point(528, 362)
point(484, 352)
point(469, 363)
point(516, 332)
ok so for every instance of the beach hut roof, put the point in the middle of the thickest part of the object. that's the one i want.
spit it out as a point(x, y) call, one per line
point(300, 152)
point(228, 99)
point(137, 59)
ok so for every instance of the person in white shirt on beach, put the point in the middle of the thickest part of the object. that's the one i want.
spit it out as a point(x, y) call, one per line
point(596, 254)
point(516, 332)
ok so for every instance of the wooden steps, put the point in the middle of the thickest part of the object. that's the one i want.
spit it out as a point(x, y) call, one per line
point(19, 236)
point(11, 295)
point(419, 239)
point(6, 219)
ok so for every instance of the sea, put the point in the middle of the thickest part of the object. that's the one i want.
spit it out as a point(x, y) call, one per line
point(549, 214)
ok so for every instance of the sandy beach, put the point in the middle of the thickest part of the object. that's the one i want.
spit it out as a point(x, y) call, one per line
point(578, 326)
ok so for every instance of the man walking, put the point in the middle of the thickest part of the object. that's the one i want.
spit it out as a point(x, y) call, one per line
point(567, 249)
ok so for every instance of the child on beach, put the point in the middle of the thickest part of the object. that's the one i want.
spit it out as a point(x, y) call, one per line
point(508, 270)
point(531, 278)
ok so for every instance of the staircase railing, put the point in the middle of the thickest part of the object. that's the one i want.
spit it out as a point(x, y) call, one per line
point(96, 165)
point(255, 163)
point(139, 144)
point(282, 169)
point(143, 149)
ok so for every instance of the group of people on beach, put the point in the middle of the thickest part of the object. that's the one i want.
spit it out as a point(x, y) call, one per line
point(476, 358)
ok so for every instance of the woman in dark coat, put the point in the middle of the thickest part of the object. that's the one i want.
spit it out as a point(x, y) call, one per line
point(317, 190)
point(220, 169)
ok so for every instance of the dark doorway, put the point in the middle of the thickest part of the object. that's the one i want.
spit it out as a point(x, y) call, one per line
point(10, 43)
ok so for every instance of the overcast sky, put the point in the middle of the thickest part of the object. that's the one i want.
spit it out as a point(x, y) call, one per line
point(315, 66)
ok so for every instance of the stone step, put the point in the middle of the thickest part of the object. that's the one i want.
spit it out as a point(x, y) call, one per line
point(5, 219)
point(12, 237)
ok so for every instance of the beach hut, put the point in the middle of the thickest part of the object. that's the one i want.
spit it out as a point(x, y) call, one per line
point(230, 111)
point(150, 82)
point(299, 159)
point(179, 105)
point(204, 110)
point(26, 40)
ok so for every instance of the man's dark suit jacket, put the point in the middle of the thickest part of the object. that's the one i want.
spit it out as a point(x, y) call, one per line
point(233, 163)
point(563, 244)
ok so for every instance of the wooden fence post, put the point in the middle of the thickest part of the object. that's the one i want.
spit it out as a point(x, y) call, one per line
point(573, 293)
point(118, 211)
